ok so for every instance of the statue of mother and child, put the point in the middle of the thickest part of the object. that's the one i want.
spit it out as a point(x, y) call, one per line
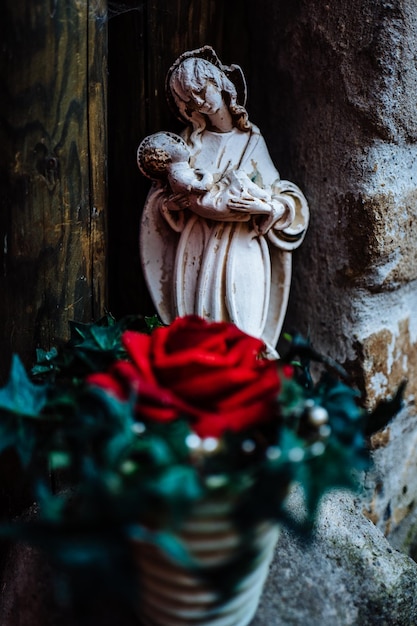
point(219, 224)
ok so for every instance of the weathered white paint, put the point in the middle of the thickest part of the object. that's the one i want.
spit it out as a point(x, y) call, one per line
point(219, 225)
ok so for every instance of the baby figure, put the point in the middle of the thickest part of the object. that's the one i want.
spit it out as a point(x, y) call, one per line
point(165, 155)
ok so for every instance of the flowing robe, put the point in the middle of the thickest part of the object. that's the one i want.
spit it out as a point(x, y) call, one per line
point(209, 259)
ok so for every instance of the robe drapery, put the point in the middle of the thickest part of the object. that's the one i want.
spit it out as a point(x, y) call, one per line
point(211, 261)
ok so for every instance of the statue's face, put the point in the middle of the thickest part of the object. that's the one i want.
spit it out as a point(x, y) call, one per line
point(208, 100)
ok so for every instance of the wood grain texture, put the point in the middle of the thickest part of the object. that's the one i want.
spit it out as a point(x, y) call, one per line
point(53, 130)
point(53, 136)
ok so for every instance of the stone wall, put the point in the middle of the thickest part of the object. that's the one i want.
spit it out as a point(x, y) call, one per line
point(339, 118)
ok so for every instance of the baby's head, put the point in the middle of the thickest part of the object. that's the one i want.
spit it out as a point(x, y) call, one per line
point(158, 151)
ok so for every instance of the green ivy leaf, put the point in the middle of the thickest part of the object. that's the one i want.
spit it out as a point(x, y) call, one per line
point(119, 472)
point(80, 331)
point(176, 483)
point(291, 398)
point(45, 361)
point(97, 345)
point(165, 541)
point(152, 323)
point(20, 396)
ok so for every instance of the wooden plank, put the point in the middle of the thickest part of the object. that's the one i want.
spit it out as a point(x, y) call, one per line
point(97, 152)
point(53, 137)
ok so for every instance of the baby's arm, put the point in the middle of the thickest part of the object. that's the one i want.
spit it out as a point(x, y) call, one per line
point(204, 180)
point(183, 178)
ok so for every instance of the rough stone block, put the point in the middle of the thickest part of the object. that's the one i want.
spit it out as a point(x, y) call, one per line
point(342, 125)
point(391, 497)
point(349, 575)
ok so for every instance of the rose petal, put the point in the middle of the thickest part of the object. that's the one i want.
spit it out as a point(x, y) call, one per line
point(192, 338)
point(265, 387)
point(215, 425)
point(209, 387)
point(157, 413)
point(187, 332)
point(210, 372)
point(127, 375)
point(199, 353)
point(107, 383)
point(288, 371)
point(155, 395)
point(138, 347)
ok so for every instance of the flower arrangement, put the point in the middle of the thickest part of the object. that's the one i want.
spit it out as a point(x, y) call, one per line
point(128, 426)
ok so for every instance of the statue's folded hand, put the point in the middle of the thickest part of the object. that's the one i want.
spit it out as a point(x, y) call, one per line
point(249, 204)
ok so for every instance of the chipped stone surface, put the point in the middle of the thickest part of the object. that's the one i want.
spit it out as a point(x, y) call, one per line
point(389, 359)
point(391, 496)
point(350, 141)
point(349, 575)
point(343, 125)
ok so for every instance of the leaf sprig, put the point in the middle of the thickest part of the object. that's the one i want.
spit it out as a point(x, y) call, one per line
point(101, 477)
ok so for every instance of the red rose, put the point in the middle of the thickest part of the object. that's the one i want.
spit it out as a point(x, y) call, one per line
point(211, 373)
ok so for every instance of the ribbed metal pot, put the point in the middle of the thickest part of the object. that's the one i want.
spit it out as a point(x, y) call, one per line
point(171, 595)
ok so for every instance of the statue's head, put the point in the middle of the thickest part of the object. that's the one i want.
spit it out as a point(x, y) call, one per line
point(192, 76)
point(192, 73)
